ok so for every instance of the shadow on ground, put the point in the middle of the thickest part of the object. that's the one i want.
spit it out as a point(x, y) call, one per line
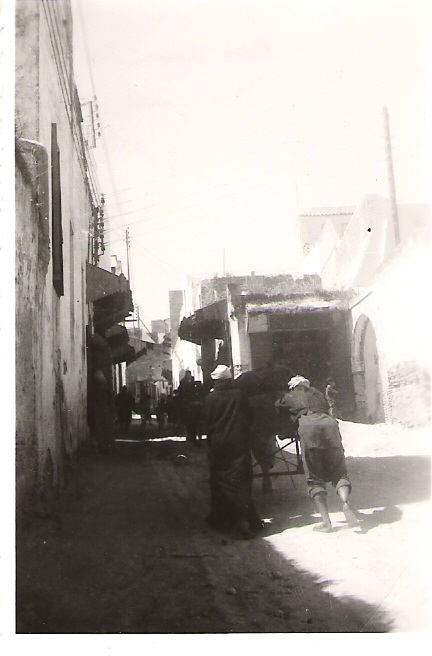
point(128, 551)
point(374, 486)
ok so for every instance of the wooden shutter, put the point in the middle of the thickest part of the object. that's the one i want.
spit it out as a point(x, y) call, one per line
point(57, 227)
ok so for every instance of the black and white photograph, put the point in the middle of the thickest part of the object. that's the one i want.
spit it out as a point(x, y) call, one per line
point(219, 331)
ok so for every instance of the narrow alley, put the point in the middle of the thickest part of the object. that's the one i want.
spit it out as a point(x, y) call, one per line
point(223, 226)
point(128, 550)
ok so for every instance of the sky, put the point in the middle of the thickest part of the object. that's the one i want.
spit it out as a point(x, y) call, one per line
point(220, 120)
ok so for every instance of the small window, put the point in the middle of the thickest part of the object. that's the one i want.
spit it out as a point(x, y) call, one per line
point(56, 214)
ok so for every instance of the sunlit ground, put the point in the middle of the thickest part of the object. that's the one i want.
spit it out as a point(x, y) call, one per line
point(153, 439)
point(388, 565)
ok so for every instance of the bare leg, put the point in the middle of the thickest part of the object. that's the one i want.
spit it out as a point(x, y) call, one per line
point(320, 500)
point(344, 493)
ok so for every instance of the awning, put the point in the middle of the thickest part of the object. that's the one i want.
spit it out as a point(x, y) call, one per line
point(110, 294)
point(140, 346)
point(101, 283)
point(124, 348)
point(118, 340)
point(206, 323)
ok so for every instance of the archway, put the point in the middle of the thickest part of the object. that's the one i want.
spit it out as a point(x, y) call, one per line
point(366, 373)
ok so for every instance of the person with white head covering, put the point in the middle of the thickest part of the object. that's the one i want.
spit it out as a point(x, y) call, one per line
point(298, 381)
point(227, 418)
point(302, 395)
point(321, 447)
point(221, 371)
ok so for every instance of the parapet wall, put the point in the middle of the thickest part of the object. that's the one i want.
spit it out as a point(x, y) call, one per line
point(215, 289)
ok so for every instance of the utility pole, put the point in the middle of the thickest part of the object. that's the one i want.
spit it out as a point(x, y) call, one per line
point(95, 236)
point(127, 253)
point(138, 319)
point(391, 179)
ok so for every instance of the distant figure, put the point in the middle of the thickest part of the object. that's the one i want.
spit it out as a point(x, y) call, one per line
point(161, 410)
point(102, 404)
point(186, 386)
point(193, 414)
point(186, 393)
point(170, 409)
point(227, 419)
point(144, 408)
point(173, 409)
point(125, 403)
point(321, 448)
point(331, 396)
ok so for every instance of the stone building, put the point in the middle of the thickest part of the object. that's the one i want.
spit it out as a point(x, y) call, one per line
point(388, 277)
point(256, 322)
point(64, 301)
point(151, 372)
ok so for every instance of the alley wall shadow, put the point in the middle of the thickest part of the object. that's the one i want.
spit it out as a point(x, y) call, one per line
point(133, 554)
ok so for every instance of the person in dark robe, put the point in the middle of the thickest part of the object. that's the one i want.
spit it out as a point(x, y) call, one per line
point(263, 435)
point(186, 394)
point(161, 411)
point(125, 404)
point(144, 408)
point(227, 419)
point(321, 448)
point(192, 414)
point(186, 386)
point(171, 410)
point(102, 403)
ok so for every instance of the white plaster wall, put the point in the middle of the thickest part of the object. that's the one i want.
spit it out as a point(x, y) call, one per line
point(59, 338)
point(397, 305)
point(186, 354)
point(403, 291)
point(27, 361)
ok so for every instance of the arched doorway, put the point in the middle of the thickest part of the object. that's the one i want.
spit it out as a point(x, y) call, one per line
point(366, 373)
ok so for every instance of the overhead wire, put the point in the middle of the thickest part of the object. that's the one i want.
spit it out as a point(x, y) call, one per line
point(67, 90)
point(200, 217)
point(93, 86)
point(306, 176)
point(231, 182)
point(292, 162)
point(206, 201)
point(249, 153)
point(161, 263)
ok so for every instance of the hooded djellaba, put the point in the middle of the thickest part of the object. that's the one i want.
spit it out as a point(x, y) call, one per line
point(227, 419)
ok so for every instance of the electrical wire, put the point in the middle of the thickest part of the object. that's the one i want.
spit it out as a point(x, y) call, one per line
point(261, 153)
point(161, 263)
point(225, 184)
point(93, 86)
point(307, 177)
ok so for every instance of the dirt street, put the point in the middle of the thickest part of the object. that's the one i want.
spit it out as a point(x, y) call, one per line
point(129, 550)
